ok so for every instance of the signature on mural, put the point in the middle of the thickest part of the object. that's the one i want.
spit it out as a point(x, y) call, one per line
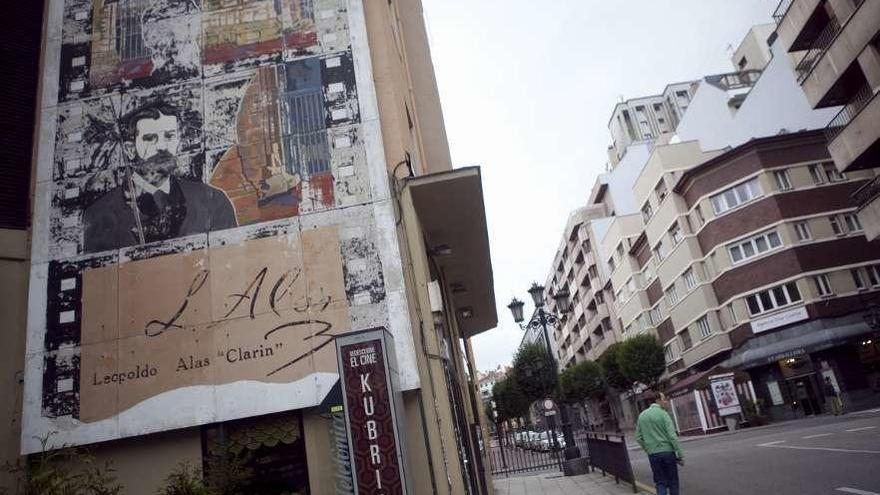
point(251, 293)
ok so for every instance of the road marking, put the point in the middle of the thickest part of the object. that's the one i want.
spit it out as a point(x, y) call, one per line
point(863, 428)
point(818, 435)
point(856, 491)
point(827, 449)
point(770, 444)
point(869, 411)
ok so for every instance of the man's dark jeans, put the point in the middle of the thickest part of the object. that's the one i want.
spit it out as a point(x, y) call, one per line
point(665, 468)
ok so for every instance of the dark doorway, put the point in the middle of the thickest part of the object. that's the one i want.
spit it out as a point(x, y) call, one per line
point(263, 455)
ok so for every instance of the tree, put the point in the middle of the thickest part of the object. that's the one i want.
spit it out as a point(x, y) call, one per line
point(642, 360)
point(614, 378)
point(580, 382)
point(534, 372)
point(510, 402)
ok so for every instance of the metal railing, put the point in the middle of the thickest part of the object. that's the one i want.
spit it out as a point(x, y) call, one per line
point(817, 48)
point(867, 192)
point(781, 10)
point(849, 111)
point(609, 454)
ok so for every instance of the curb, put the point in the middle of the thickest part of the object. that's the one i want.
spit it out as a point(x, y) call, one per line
point(645, 488)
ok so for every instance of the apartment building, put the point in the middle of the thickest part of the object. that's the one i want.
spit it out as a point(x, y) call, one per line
point(648, 118)
point(835, 49)
point(587, 329)
point(307, 194)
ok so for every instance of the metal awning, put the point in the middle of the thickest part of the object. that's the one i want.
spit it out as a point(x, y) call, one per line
point(450, 209)
point(815, 340)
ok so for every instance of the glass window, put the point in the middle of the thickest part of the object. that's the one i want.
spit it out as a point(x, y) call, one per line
point(735, 196)
point(647, 212)
point(803, 231)
point(765, 299)
point(754, 305)
point(761, 244)
point(823, 285)
point(675, 233)
point(857, 278)
point(782, 181)
point(852, 222)
point(671, 295)
point(773, 239)
point(736, 254)
point(776, 297)
point(689, 279)
point(703, 325)
point(731, 312)
point(832, 173)
point(873, 275)
point(835, 225)
point(794, 295)
point(748, 250)
point(816, 175)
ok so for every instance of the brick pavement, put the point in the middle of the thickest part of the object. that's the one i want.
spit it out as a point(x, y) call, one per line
point(553, 483)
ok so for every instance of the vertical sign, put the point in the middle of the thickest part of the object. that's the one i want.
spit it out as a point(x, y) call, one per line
point(367, 373)
point(724, 391)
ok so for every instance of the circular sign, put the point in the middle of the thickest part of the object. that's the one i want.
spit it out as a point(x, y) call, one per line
point(549, 405)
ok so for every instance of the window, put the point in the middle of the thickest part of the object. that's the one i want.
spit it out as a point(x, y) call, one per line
point(823, 285)
point(743, 250)
point(803, 231)
point(600, 299)
point(735, 196)
point(731, 312)
point(857, 278)
point(852, 222)
point(776, 297)
point(742, 63)
point(832, 173)
point(611, 264)
point(671, 295)
point(835, 225)
point(647, 212)
point(689, 279)
point(671, 351)
point(841, 224)
point(660, 190)
point(703, 326)
point(782, 181)
point(660, 251)
point(816, 174)
point(656, 315)
point(873, 275)
point(675, 233)
point(620, 250)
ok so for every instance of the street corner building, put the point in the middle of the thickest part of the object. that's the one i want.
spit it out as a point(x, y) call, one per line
point(218, 196)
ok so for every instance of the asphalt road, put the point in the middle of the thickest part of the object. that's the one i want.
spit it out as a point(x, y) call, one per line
point(818, 456)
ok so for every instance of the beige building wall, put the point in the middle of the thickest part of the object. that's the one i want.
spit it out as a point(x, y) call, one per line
point(14, 272)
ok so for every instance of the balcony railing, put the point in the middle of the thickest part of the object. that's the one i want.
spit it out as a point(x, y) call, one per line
point(781, 10)
point(849, 111)
point(867, 192)
point(817, 49)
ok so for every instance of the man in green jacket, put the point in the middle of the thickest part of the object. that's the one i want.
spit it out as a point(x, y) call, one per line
point(655, 432)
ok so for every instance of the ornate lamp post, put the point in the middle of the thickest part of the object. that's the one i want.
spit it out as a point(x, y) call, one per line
point(541, 319)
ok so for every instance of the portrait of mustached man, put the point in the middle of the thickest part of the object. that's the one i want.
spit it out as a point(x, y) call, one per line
point(152, 202)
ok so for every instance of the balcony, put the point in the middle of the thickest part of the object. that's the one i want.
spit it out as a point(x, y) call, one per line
point(868, 199)
point(796, 22)
point(829, 70)
point(706, 348)
point(854, 133)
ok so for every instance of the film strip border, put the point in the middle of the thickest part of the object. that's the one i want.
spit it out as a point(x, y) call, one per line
point(61, 343)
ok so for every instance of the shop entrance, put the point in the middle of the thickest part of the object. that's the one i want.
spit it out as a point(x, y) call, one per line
point(806, 394)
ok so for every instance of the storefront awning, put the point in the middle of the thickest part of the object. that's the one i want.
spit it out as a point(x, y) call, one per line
point(451, 211)
point(815, 340)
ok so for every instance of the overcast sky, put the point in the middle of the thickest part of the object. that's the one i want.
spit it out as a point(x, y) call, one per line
point(527, 89)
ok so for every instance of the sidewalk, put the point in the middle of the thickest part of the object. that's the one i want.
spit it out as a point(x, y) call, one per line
point(553, 483)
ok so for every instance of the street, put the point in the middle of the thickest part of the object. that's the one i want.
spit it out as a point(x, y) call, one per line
point(817, 456)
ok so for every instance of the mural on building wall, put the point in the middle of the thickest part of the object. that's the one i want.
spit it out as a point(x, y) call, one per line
point(206, 219)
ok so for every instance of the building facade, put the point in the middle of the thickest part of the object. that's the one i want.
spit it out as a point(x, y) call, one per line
point(219, 190)
point(835, 49)
point(735, 240)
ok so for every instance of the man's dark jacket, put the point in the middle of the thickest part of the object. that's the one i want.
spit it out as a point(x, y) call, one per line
point(190, 207)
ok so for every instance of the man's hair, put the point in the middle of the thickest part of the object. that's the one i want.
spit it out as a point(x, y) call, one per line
point(661, 396)
point(152, 110)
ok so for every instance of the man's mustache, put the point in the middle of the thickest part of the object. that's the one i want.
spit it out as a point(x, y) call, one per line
point(160, 158)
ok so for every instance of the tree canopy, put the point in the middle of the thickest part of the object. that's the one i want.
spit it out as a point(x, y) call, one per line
point(510, 402)
point(581, 381)
point(641, 359)
point(611, 368)
point(533, 370)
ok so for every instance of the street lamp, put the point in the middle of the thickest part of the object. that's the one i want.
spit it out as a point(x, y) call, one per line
point(540, 320)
